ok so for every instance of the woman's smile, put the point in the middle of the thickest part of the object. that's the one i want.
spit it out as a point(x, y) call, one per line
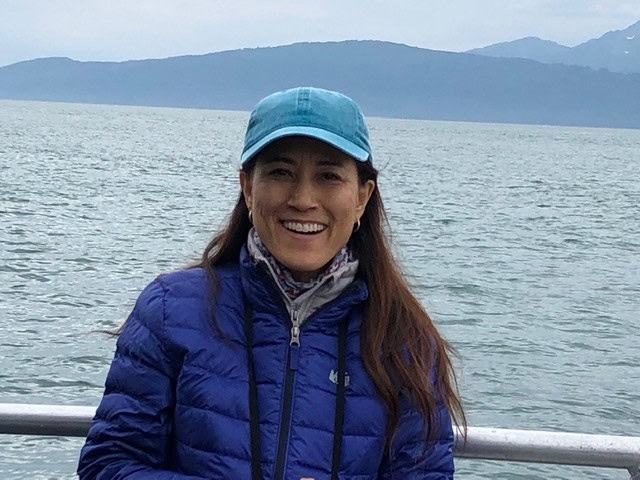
point(304, 227)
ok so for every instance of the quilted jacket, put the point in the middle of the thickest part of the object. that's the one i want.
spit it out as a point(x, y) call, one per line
point(176, 403)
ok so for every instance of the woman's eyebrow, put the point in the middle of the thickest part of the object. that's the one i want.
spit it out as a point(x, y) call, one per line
point(275, 159)
point(330, 162)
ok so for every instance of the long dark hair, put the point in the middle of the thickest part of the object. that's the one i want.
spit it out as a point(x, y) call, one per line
point(400, 345)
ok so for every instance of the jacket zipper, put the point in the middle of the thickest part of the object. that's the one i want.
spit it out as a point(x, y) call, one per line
point(292, 367)
point(285, 420)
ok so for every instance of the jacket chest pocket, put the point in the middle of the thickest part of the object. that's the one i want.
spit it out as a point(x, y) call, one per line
point(313, 416)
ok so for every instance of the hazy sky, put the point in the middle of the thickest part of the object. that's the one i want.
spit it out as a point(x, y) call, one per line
point(131, 29)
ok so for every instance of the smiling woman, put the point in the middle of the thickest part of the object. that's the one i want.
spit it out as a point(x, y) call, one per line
point(294, 349)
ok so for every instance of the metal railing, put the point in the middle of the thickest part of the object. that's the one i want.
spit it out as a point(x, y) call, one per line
point(560, 448)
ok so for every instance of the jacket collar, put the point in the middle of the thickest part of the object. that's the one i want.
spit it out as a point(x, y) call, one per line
point(264, 294)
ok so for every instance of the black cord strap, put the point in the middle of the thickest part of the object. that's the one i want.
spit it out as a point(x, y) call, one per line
point(339, 418)
point(256, 470)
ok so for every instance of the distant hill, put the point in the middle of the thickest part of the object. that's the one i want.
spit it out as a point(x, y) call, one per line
point(617, 51)
point(387, 79)
point(533, 48)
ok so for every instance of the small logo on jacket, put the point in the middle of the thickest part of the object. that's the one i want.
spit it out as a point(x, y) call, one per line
point(333, 376)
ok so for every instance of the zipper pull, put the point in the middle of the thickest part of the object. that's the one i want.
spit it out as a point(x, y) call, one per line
point(294, 354)
point(294, 344)
point(295, 336)
point(295, 328)
point(294, 347)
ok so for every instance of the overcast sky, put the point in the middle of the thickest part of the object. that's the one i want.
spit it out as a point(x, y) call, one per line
point(133, 29)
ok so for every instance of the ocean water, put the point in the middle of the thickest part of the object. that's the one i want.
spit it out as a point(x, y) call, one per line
point(523, 243)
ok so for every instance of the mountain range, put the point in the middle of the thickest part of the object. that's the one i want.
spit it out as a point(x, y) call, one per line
point(617, 51)
point(387, 79)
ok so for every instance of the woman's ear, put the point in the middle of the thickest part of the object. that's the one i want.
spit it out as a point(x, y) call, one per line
point(245, 185)
point(364, 194)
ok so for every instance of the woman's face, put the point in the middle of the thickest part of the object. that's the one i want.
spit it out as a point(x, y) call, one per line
point(305, 198)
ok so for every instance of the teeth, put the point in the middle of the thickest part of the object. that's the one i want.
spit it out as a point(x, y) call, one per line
point(304, 227)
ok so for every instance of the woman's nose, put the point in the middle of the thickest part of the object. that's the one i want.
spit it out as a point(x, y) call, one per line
point(302, 196)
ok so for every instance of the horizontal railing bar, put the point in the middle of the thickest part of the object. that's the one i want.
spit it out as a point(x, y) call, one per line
point(561, 448)
point(54, 420)
point(482, 443)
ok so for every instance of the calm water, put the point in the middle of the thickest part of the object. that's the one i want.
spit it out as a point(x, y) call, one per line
point(523, 243)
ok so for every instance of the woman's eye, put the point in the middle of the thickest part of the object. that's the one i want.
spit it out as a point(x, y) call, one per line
point(331, 176)
point(279, 172)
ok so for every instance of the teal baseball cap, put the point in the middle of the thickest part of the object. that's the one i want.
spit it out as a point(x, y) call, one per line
point(329, 116)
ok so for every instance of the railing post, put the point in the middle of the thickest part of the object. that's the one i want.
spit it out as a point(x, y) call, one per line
point(635, 472)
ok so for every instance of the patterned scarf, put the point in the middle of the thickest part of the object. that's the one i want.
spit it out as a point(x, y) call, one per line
point(283, 275)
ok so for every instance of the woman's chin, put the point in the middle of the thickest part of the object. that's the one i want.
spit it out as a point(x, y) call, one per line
point(302, 272)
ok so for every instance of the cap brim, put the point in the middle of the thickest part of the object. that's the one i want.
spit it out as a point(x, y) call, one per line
point(337, 141)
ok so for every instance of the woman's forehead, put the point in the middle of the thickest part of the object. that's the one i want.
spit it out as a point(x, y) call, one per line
point(298, 149)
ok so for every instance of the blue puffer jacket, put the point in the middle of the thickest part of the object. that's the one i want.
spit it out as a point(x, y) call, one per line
point(176, 403)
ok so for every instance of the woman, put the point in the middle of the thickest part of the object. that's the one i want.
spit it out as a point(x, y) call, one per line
point(295, 349)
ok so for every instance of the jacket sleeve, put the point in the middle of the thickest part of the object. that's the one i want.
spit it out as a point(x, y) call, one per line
point(408, 459)
point(129, 436)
